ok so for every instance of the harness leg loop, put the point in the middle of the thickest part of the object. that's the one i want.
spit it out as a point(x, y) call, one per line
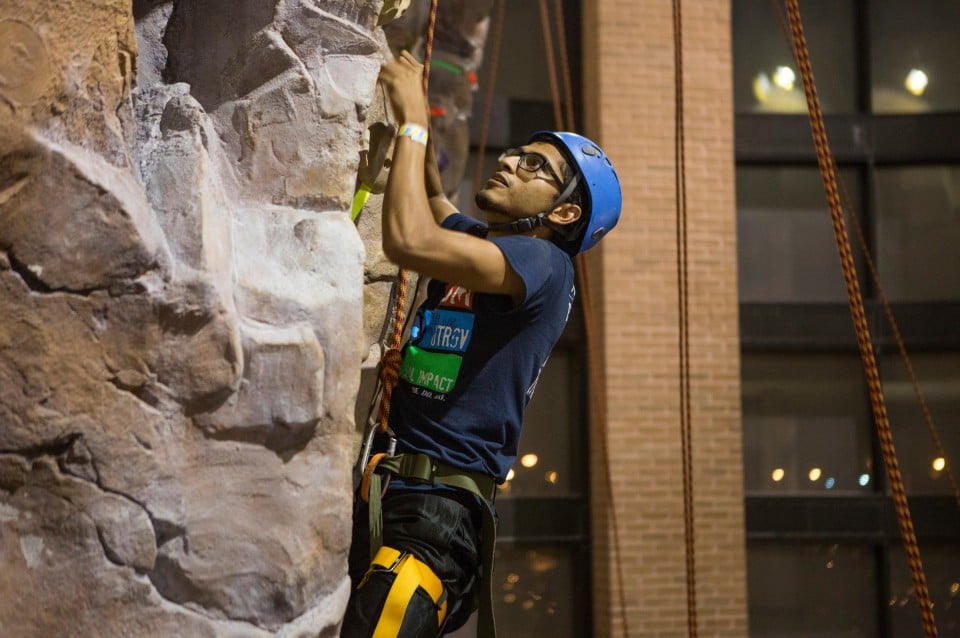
point(410, 574)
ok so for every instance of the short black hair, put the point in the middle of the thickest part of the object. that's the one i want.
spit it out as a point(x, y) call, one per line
point(571, 237)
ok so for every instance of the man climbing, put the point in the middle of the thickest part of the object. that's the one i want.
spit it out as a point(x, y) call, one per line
point(498, 300)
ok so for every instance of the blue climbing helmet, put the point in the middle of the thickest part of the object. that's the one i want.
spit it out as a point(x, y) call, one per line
point(602, 196)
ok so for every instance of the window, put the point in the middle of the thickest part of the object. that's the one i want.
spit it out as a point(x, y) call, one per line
point(548, 464)
point(543, 569)
point(786, 246)
point(766, 79)
point(805, 424)
point(811, 589)
point(918, 231)
point(915, 56)
point(536, 593)
point(823, 546)
point(941, 566)
point(922, 467)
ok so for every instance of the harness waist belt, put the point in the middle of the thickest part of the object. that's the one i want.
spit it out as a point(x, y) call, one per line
point(424, 468)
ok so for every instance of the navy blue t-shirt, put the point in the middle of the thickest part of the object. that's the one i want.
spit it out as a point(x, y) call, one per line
point(473, 359)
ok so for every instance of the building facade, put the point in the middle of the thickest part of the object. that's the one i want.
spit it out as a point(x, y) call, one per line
point(794, 532)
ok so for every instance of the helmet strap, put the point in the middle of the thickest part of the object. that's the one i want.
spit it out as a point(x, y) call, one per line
point(519, 226)
point(525, 225)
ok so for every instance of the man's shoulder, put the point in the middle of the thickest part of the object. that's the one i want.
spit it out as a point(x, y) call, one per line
point(464, 223)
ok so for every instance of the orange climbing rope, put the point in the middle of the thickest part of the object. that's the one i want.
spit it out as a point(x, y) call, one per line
point(487, 107)
point(878, 405)
point(428, 46)
point(390, 363)
point(683, 303)
point(594, 368)
point(551, 64)
point(898, 339)
point(564, 62)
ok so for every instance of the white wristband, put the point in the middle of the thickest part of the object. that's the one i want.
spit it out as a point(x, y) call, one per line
point(415, 132)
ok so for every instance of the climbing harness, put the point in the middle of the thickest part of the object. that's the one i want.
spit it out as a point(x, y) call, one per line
point(877, 402)
point(421, 469)
point(410, 574)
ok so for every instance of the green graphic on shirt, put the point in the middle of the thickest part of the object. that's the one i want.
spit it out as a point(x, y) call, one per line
point(434, 371)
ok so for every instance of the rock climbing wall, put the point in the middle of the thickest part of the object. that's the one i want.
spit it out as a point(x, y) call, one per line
point(181, 297)
point(186, 305)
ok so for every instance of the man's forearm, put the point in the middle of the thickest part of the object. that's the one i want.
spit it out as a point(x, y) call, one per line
point(440, 206)
point(431, 171)
point(407, 220)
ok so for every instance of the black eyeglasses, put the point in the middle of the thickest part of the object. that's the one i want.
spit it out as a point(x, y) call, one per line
point(532, 163)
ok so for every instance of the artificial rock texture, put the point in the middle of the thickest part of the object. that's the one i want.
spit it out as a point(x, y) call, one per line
point(186, 307)
point(181, 327)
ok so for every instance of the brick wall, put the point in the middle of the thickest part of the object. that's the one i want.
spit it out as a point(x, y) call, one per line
point(629, 85)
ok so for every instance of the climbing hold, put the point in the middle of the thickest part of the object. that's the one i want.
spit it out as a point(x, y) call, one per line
point(392, 9)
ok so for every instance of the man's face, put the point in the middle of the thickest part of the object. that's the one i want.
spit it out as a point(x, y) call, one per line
point(519, 189)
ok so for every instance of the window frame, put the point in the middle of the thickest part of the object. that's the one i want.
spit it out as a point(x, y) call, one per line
point(863, 141)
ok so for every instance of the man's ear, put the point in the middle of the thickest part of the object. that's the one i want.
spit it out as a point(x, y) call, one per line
point(565, 213)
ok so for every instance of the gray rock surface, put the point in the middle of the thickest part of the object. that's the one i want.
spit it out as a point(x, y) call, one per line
point(186, 306)
point(181, 314)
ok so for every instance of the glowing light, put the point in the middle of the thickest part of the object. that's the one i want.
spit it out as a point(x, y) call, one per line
point(784, 77)
point(939, 463)
point(552, 477)
point(777, 475)
point(761, 87)
point(510, 598)
point(829, 483)
point(542, 563)
point(815, 473)
point(916, 82)
point(511, 474)
point(864, 480)
point(529, 460)
point(954, 589)
point(527, 605)
point(513, 578)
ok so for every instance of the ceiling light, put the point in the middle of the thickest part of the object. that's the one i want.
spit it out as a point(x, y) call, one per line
point(784, 77)
point(916, 82)
point(761, 87)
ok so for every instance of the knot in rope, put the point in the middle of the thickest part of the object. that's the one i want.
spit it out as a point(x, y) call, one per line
point(389, 376)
